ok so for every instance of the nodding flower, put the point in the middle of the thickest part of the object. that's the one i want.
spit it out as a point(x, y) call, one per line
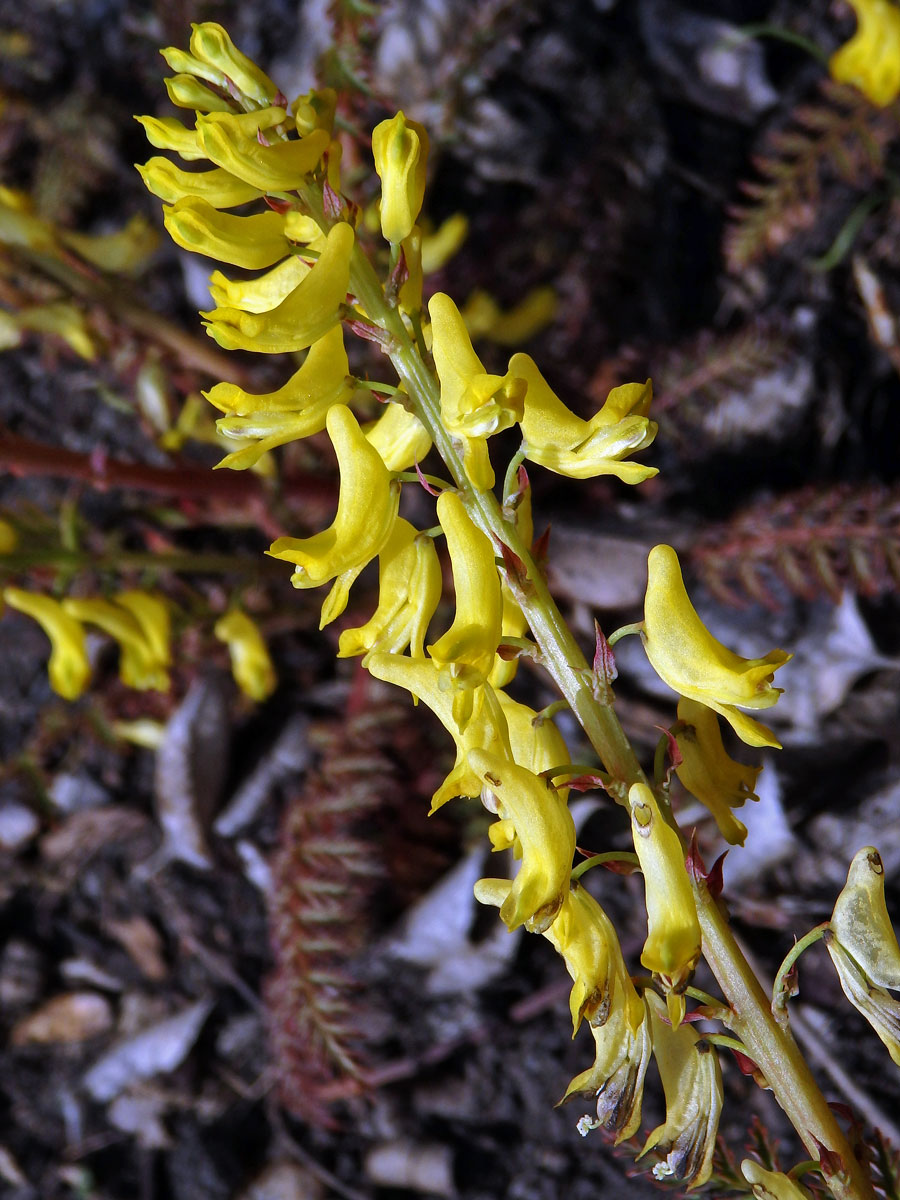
point(68, 669)
point(400, 150)
point(465, 653)
point(409, 589)
point(692, 1083)
point(672, 947)
point(537, 825)
point(870, 61)
point(687, 657)
point(474, 404)
point(707, 772)
point(251, 663)
point(306, 314)
point(564, 443)
point(297, 409)
point(366, 512)
point(143, 639)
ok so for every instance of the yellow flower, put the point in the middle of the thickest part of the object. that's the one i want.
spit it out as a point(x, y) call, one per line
point(861, 923)
point(279, 167)
point(485, 729)
point(474, 405)
point(466, 651)
point(409, 589)
point(124, 252)
point(514, 623)
point(140, 664)
point(400, 150)
point(538, 826)
point(152, 615)
point(622, 1047)
point(562, 442)
point(218, 188)
point(297, 409)
point(771, 1185)
point(9, 537)
point(399, 437)
point(305, 315)
point(210, 44)
point(367, 509)
point(251, 242)
point(439, 246)
point(168, 133)
point(708, 773)
point(485, 318)
point(672, 947)
point(871, 59)
point(69, 669)
point(692, 1082)
point(687, 657)
point(250, 662)
point(187, 92)
point(875, 1003)
point(535, 741)
point(261, 293)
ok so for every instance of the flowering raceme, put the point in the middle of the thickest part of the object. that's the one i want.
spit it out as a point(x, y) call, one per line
point(687, 657)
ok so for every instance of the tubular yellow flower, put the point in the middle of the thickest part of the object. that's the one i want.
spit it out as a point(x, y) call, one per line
point(186, 64)
point(315, 110)
point(187, 92)
point(466, 651)
point(400, 150)
point(123, 252)
point(544, 838)
point(152, 615)
point(367, 509)
point(139, 665)
point(535, 741)
point(562, 442)
point(220, 189)
point(251, 664)
point(304, 316)
point(297, 409)
point(687, 657)
point(440, 246)
point(69, 669)
point(514, 623)
point(262, 293)
point(861, 923)
point(485, 730)
point(485, 318)
point(168, 133)
point(771, 1185)
point(474, 405)
point(583, 934)
point(399, 437)
point(409, 589)
point(280, 167)
point(622, 1047)
point(692, 1082)
point(252, 242)
point(875, 1003)
point(672, 947)
point(212, 45)
point(718, 781)
point(871, 59)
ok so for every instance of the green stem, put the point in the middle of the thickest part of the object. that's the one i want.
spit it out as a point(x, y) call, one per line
point(772, 1048)
point(597, 860)
point(780, 991)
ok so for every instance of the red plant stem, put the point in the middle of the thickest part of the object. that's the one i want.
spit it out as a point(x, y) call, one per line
point(24, 457)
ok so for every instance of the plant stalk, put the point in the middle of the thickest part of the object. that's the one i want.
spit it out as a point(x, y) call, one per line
point(772, 1048)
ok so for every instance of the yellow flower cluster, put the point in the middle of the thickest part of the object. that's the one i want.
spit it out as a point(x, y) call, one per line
point(512, 758)
point(139, 622)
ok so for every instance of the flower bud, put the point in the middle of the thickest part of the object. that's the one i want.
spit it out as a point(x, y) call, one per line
point(672, 947)
point(212, 45)
point(400, 149)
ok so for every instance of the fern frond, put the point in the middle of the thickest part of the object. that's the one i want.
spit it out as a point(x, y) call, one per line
point(812, 541)
point(322, 878)
point(840, 136)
